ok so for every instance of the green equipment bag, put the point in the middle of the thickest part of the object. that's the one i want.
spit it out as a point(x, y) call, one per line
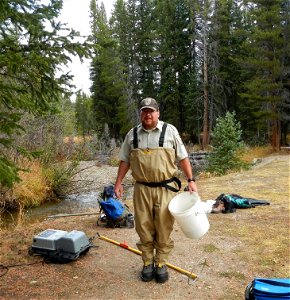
point(234, 201)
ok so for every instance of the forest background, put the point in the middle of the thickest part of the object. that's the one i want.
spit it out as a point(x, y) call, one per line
point(199, 59)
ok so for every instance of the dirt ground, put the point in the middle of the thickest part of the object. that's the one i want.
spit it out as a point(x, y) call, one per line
point(237, 248)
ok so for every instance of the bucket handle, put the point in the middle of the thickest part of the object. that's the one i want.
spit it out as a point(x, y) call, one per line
point(200, 213)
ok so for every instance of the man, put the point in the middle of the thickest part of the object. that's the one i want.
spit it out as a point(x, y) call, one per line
point(150, 150)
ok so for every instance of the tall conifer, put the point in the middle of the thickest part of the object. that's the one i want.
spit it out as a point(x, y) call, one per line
point(174, 49)
point(263, 90)
point(106, 72)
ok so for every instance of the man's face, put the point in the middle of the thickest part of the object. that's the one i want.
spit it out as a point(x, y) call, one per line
point(149, 118)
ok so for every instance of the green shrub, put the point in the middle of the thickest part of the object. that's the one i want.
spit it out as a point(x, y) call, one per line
point(60, 175)
point(227, 146)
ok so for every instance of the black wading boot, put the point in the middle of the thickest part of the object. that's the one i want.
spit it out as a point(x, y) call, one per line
point(161, 273)
point(148, 272)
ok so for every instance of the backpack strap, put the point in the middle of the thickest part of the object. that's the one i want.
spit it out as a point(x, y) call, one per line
point(162, 135)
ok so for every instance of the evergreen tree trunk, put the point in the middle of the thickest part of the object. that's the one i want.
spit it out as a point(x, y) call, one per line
point(205, 132)
point(276, 134)
point(206, 129)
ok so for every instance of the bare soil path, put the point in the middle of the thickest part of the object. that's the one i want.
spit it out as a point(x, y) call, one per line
point(238, 247)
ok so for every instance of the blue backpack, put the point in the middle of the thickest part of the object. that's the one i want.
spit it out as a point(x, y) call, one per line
point(116, 214)
point(268, 289)
point(113, 208)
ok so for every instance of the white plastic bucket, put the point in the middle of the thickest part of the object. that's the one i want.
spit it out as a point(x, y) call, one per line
point(189, 214)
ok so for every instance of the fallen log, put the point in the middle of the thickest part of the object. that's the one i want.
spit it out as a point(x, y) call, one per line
point(73, 215)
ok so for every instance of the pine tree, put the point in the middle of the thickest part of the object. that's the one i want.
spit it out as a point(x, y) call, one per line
point(192, 98)
point(227, 146)
point(144, 31)
point(123, 29)
point(205, 12)
point(85, 122)
point(33, 46)
point(225, 39)
point(263, 88)
point(106, 72)
point(285, 105)
point(219, 27)
point(174, 52)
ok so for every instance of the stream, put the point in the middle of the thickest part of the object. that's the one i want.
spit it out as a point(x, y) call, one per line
point(74, 203)
point(88, 183)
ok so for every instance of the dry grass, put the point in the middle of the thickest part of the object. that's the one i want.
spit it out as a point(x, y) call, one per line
point(77, 139)
point(257, 152)
point(265, 230)
point(238, 247)
point(33, 189)
point(249, 157)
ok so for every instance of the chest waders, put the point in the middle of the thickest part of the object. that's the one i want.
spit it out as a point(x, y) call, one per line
point(153, 169)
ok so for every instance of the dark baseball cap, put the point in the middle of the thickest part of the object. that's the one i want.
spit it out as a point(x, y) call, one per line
point(149, 103)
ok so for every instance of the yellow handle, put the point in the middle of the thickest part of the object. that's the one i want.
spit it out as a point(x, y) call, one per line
point(187, 273)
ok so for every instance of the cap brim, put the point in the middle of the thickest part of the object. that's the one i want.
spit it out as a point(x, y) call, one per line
point(150, 107)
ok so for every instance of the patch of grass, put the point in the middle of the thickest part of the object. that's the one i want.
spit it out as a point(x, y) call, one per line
point(256, 152)
point(232, 274)
point(77, 139)
point(209, 248)
point(248, 157)
point(113, 162)
point(22, 242)
point(114, 157)
point(33, 188)
point(60, 175)
point(264, 230)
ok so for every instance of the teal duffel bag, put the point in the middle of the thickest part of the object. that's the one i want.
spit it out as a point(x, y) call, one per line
point(268, 289)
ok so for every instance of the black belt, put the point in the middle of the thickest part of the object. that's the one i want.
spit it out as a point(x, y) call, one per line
point(165, 184)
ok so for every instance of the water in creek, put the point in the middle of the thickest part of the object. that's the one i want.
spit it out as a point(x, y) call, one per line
point(75, 203)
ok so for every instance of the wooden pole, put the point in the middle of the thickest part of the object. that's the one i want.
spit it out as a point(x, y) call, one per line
point(73, 215)
point(187, 273)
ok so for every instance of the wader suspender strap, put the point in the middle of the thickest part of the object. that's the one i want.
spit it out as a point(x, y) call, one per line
point(135, 138)
point(161, 138)
point(164, 183)
point(162, 135)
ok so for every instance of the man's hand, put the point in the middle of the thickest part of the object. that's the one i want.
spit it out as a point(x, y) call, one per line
point(192, 186)
point(187, 170)
point(122, 170)
point(119, 190)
